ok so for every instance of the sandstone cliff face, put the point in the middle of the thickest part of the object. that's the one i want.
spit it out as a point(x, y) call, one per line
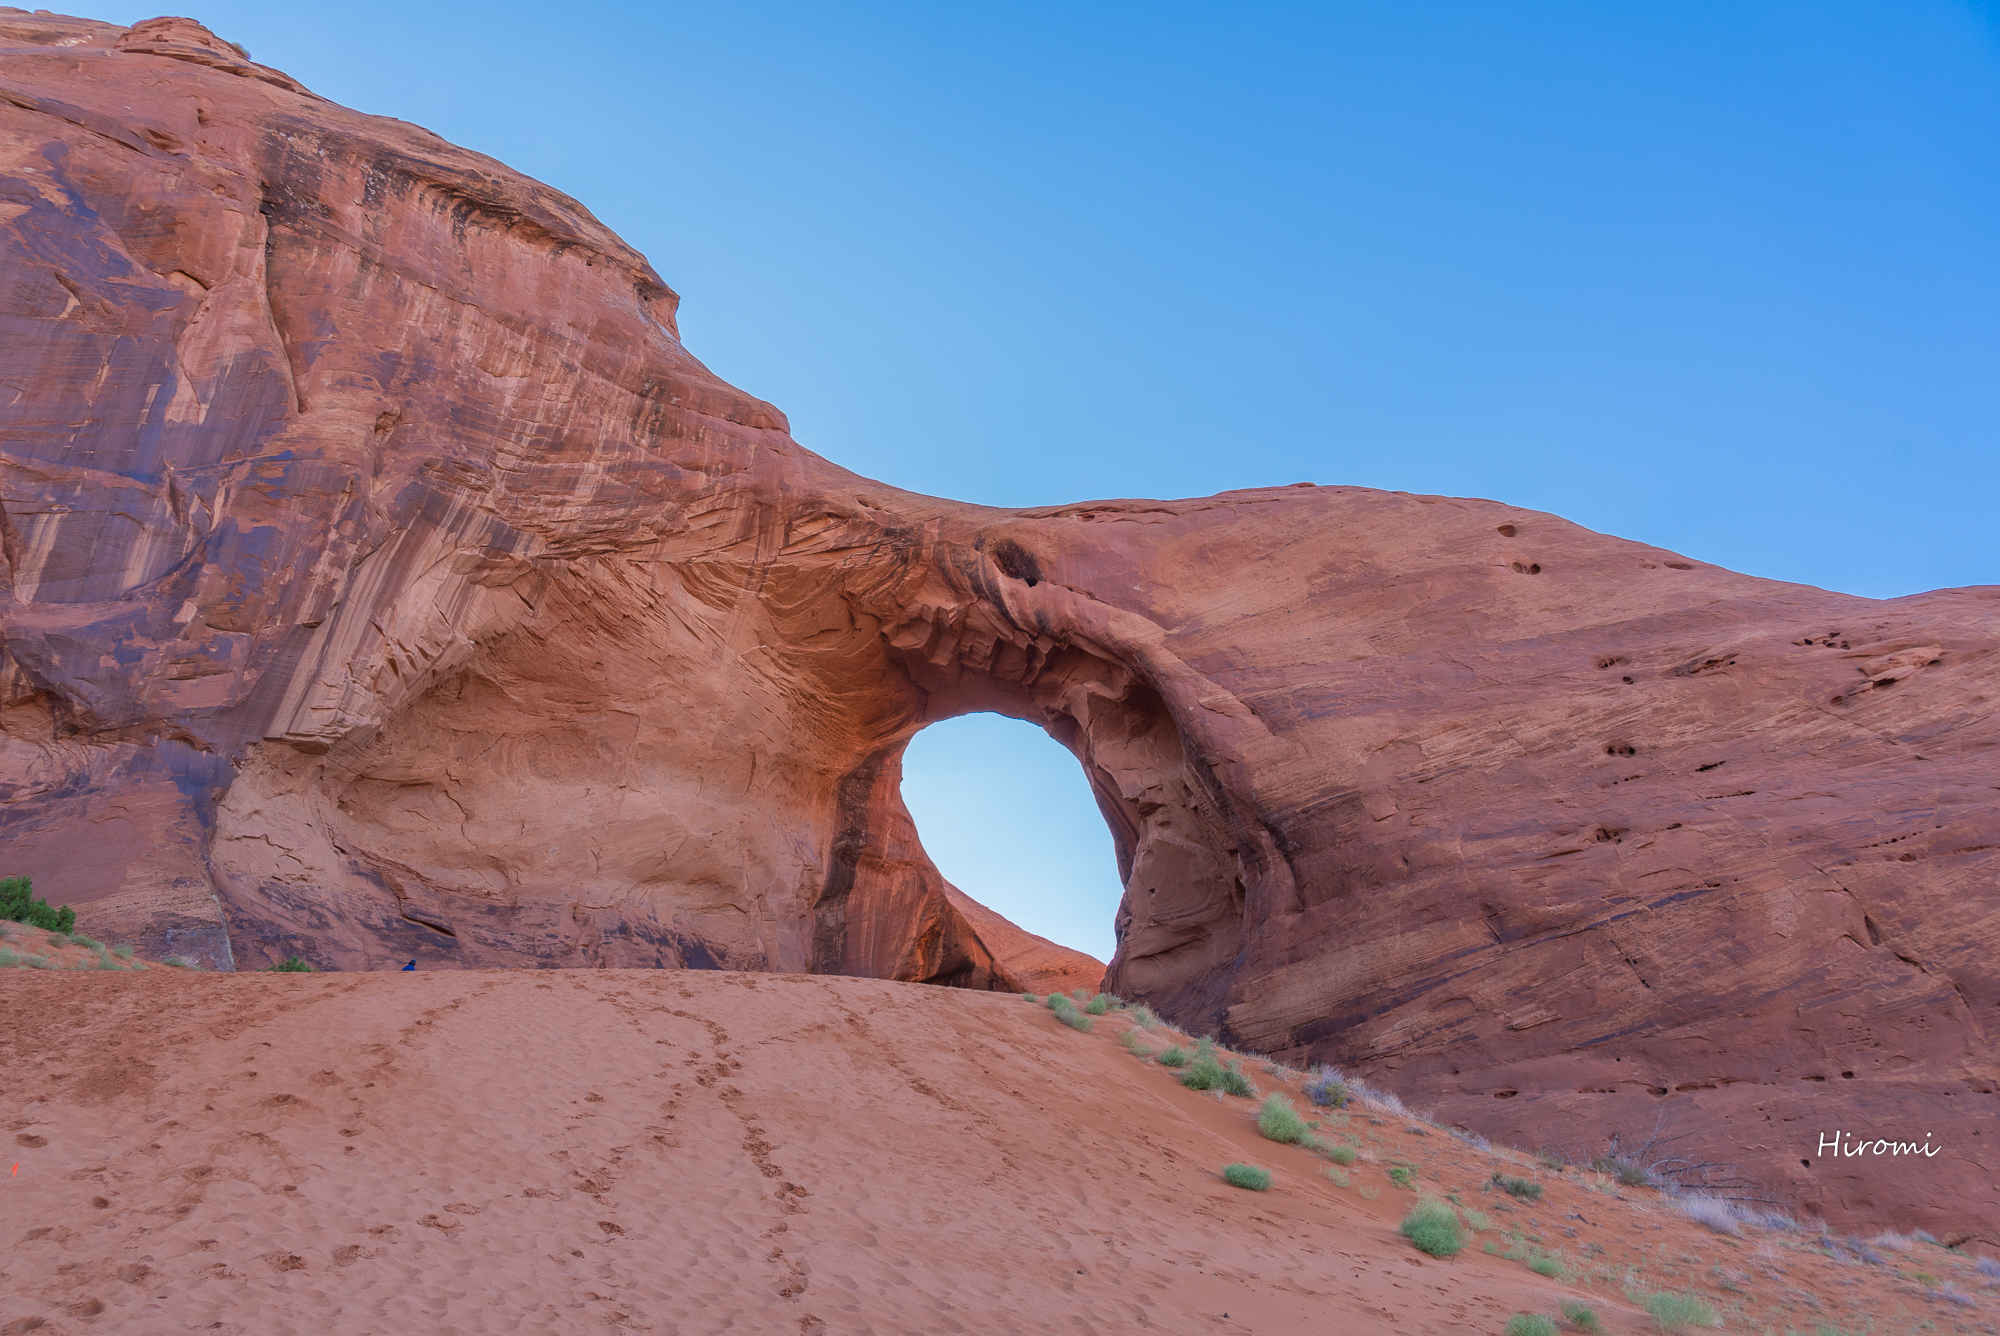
point(384, 579)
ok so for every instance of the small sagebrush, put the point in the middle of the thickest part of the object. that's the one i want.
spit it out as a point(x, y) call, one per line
point(1530, 1324)
point(1341, 1155)
point(1246, 1176)
point(1135, 1043)
point(1075, 1020)
point(1675, 1313)
point(1030, 997)
point(122, 952)
point(1337, 1178)
point(1527, 1189)
point(1173, 1056)
point(1145, 1016)
point(1433, 1227)
point(1546, 1264)
point(1236, 1083)
point(1098, 1005)
point(1402, 1174)
point(1279, 1121)
point(1625, 1169)
point(1059, 1003)
point(289, 965)
point(1581, 1316)
point(1326, 1089)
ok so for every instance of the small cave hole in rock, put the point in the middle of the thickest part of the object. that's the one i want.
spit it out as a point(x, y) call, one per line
point(1006, 814)
point(1508, 530)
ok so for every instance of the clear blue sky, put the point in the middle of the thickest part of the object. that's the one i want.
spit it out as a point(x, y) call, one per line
point(1723, 277)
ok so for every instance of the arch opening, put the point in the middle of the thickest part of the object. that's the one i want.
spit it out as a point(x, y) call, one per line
point(1008, 817)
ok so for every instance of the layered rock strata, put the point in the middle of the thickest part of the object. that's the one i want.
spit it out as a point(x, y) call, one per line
point(384, 579)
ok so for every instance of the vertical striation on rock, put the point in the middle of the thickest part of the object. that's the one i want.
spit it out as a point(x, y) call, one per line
point(383, 578)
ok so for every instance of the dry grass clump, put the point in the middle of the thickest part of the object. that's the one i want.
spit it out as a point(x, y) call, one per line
point(1342, 1156)
point(1279, 1121)
point(1433, 1227)
point(1326, 1089)
point(1581, 1316)
point(1530, 1324)
point(1173, 1056)
point(1246, 1176)
point(1674, 1313)
point(1527, 1189)
point(1717, 1214)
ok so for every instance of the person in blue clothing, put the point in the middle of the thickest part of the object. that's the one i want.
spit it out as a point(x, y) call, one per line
point(407, 968)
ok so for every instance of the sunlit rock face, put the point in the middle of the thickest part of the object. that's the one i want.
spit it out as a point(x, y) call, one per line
point(384, 580)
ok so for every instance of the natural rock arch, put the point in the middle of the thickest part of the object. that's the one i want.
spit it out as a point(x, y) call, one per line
point(365, 522)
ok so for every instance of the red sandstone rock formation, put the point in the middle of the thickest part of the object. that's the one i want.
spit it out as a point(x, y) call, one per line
point(383, 578)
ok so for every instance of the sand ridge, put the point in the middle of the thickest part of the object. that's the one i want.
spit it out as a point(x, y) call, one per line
point(692, 1152)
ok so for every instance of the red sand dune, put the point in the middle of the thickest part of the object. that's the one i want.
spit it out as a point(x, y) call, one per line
point(690, 1151)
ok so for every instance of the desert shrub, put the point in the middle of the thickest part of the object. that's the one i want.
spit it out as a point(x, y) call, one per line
point(1472, 1139)
point(9, 957)
point(1236, 1083)
point(1098, 1005)
point(1341, 1155)
point(1527, 1189)
point(1076, 1020)
point(289, 965)
point(1173, 1056)
point(1433, 1227)
point(1477, 1221)
point(81, 940)
point(1530, 1324)
point(179, 962)
point(40, 963)
point(1675, 1313)
point(61, 939)
point(1113, 1001)
point(1401, 1174)
point(1545, 1264)
point(1246, 1176)
point(18, 903)
point(1203, 1074)
point(1080, 994)
point(1989, 1268)
point(1337, 1178)
point(1030, 997)
point(1326, 1089)
point(1279, 1121)
point(1135, 1043)
point(122, 952)
point(1145, 1016)
point(1625, 1169)
point(1713, 1212)
point(1058, 1003)
point(1581, 1316)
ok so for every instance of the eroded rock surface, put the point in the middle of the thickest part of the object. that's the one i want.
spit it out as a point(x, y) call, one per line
point(384, 579)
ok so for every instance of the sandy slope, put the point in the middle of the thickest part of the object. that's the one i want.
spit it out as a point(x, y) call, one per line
point(692, 1152)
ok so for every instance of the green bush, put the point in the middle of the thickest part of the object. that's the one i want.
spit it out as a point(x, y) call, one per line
point(289, 965)
point(9, 957)
point(1581, 1316)
point(1135, 1043)
point(122, 952)
point(1401, 1174)
point(1076, 1020)
point(1338, 1179)
point(1173, 1056)
point(1246, 1176)
point(1628, 1171)
point(1098, 1005)
point(1433, 1227)
point(1675, 1313)
point(1030, 997)
point(18, 903)
point(1544, 1264)
point(1236, 1083)
point(1341, 1155)
point(1203, 1074)
point(1530, 1324)
point(1477, 1221)
point(1279, 1121)
point(1145, 1016)
point(1058, 1003)
point(1524, 1188)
